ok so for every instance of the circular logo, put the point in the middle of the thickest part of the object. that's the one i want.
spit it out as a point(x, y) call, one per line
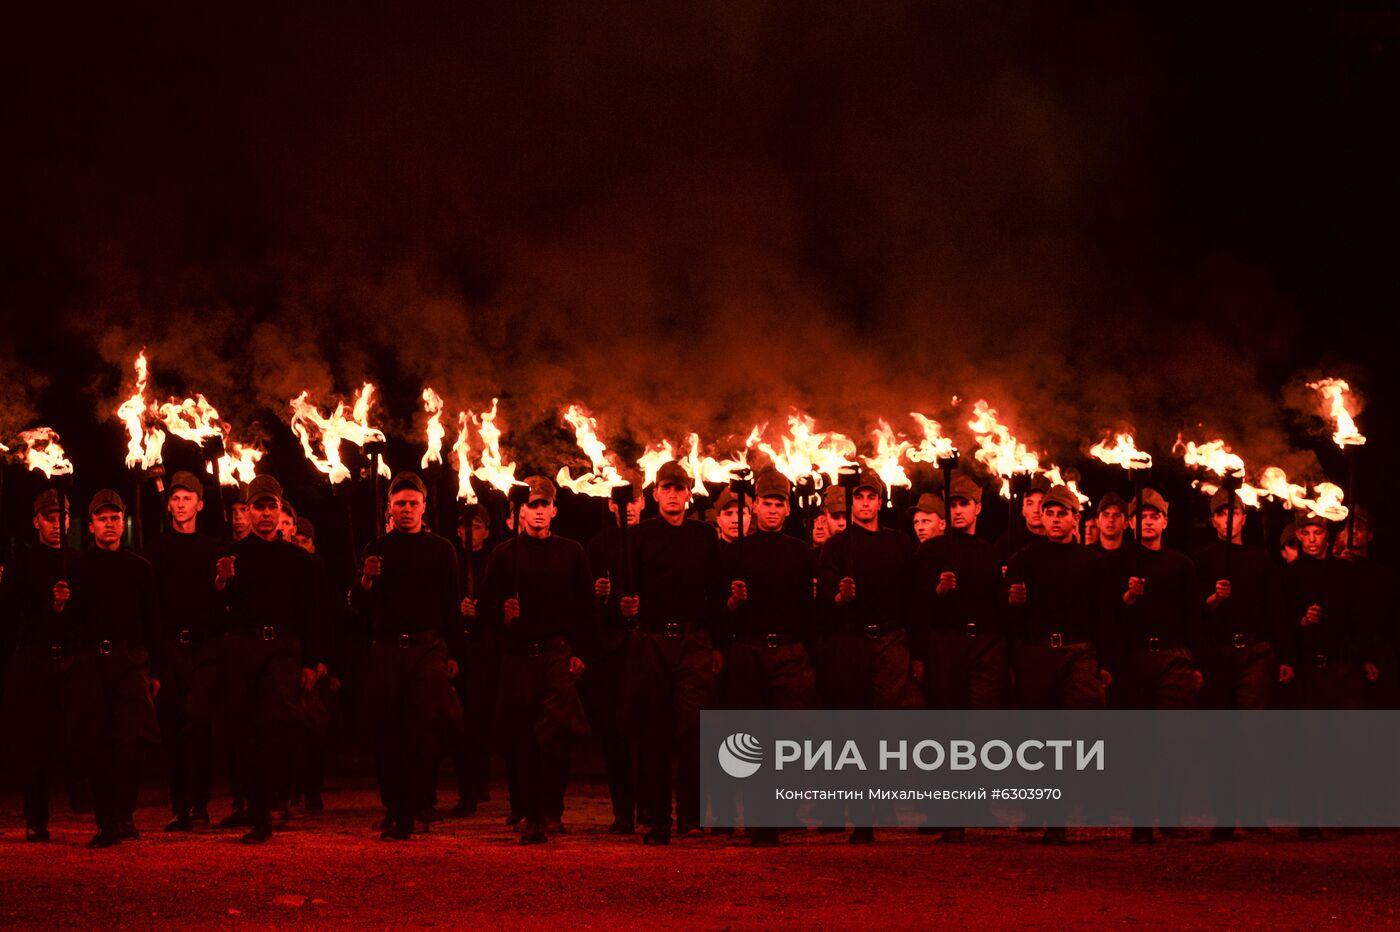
point(740, 755)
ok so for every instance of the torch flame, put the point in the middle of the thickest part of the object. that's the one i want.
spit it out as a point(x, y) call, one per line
point(999, 451)
point(1213, 455)
point(307, 421)
point(144, 441)
point(1334, 392)
point(1124, 452)
point(934, 446)
point(493, 469)
point(1326, 500)
point(885, 462)
point(41, 450)
point(653, 458)
point(432, 403)
point(604, 476)
point(463, 451)
point(238, 464)
point(806, 450)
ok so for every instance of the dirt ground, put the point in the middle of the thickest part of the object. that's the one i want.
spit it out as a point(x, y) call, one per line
point(330, 870)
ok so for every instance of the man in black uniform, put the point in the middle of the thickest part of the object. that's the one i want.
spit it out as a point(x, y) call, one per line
point(111, 608)
point(1321, 634)
point(956, 579)
point(1156, 621)
point(1375, 597)
point(272, 651)
point(1058, 608)
point(604, 651)
point(1235, 649)
point(408, 592)
point(727, 517)
point(184, 653)
point(770, 616)
point(861, 581)
point(1111, 520)
point(1032, 526)
point(538, 596)
point(478, 660)
point(240, 526)
point(927, 517)
point(672, 663)
point(34, 701)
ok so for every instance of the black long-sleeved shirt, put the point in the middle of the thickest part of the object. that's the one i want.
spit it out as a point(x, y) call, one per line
point(675, 574)
point(607, 558)
point(416, 589)
point(777, 571)
point(878, 561)
point(1065, 593)
point(977, 566)
point(26, 598)
point(275, 584)
point(184, 566)
point(1342, 633)
point(114, 598)
point(1168, 608)
point(1249, 609)
point(550, 577)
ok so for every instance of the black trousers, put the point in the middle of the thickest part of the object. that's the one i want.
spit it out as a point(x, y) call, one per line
point(966, 672)
point(184, 709)
point(539, 711)
point(857, 671)
point(1163, 680)
point(1057, 678)
point(669, 680)
point(413, 711)
point(477, 685)
point(601, 690)
point(264, 714)
point(1241, 678)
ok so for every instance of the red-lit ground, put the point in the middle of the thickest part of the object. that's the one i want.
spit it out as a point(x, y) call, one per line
point(330, 870)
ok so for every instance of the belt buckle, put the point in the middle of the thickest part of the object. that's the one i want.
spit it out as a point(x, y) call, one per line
point(673, 629)
point(534, 650)
point(1320, 661)
point(970, 629)
point(269, 633)
point(771, 640)
point(872, 631)
point(404, 641)
point(104, 646)
point(56, 652)
point(1057, 640)
point(1154, 644)
point(1240, 642)
point(185, 637)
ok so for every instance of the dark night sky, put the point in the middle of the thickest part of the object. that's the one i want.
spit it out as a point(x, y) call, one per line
point(690, 216)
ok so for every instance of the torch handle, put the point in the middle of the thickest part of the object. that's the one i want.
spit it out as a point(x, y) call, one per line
point(1351, 497)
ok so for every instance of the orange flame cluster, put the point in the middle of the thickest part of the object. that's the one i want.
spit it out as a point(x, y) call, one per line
point(603, 475)
point(39, 449)
point(934, 446)
point(144, 440)
point(1335, 393)
point(310, 426)
point(701, 467)
point(998, 450)
point(806, 451)
point(885, 463)
point(432, 403)
point(1124, 452)
point(1215, 456)
point(494, 469)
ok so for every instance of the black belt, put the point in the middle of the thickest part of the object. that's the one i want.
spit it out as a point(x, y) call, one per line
point(1155, 644)
point(1055, 639)
point(535, 648)
point(406, 639)
point(671, 629)
point(186, 637)
point(104, 646)
point(263, 632)
point(771, 639)
point(869, 631)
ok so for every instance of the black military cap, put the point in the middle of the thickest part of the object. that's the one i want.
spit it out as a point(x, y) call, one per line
point(672, 473)
point(264, 487)
point(1151, 498)
point(1041, 483)
point(238, 493)
point(870, 479)
point(49, 500)
point(727, 498)
point(407, 480)
point(1112, 500)
point(472, 512)
point(929, 504)
point(105, 498)
point(1223, 496)
point(965, 487)
point(1307, 518)
point(187, 481)
point(306, 529)
point(770, 482)
point(834, 499)
point(1062, 496)
point(541, 489)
